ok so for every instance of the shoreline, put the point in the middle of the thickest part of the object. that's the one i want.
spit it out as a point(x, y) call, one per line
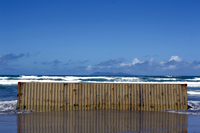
point(99, 121)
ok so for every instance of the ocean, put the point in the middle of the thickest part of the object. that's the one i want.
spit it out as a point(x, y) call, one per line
point(9, 86)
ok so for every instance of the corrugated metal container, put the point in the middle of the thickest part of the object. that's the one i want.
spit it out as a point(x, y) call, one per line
point(83, 96)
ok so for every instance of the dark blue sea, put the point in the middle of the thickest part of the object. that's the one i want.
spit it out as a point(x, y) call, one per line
point(9, 85)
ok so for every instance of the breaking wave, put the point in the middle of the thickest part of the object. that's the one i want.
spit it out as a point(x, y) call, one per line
point(9, 107)
point(194, 108)
point(13, 80)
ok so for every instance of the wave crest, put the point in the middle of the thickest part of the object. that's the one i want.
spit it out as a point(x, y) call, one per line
point(9, 107)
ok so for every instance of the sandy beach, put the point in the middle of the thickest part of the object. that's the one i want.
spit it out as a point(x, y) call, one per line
point(99, 121)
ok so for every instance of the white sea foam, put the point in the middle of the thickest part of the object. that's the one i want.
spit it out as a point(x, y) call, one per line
point(194, 109)
point(3, 78)
point(195, 79)
point(131, 78)
point(64, 78)
point(193, 84)
point(193, 92)
point(116, 79)
point(167, 79)
point(195, 105)
point(8, 105)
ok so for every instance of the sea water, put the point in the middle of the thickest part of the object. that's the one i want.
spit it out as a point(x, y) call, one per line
point(9, 86)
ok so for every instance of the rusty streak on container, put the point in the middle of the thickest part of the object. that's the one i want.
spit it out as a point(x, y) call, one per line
point(86, 96)
point(185, 100)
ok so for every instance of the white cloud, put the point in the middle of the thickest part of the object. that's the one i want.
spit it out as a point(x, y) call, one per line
point(89, 68)
point(170, 67)
point(124, 64)
point(197, 67)
point(162, 62)
point(136, 61)
point(175, 58)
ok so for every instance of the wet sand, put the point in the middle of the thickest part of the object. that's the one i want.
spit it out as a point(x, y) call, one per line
point(94, 121)
point(99, 121)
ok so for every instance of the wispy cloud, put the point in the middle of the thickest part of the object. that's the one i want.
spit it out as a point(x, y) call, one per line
point(4, 59)
point(134, 62)
point(111, 62)
point(54, 63)
point(71, 62)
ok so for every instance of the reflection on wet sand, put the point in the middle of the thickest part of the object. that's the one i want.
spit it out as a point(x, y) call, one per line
point(101, 121)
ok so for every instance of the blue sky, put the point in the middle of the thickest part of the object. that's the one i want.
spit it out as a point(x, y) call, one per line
point(79, 37)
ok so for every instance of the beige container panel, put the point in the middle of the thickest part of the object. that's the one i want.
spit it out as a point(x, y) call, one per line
point(92, 96)
point(28, 96)
point(80, 96)
point(178, 97)
point(95, 96)
point(60, 97)
point(70, 90)
point(98, 96)
point(46, 91)
point(67, 102)
point(175, 96)
point(130, 97)
point(103, 96)
point(163, 97)
point(108, 96)
point(51, 96)
point(153, 97)
point(142, 96)
point(112, 95)
point(86, 96)
point(123, 102)
point(116, 96)
point(35, 96)
point(127, 97)
point(74, 96)
point(89, 96)
point(43, 99)
point(169, 97)
point(156, 97)
point(181, 97)
point(64, 101)
point(134, 97)
point(185, 100)
point(138, 96)
point(159, 87)
point(147, 97)
point(83, 96)
point(40, 91)
point(121, 97)
point(25, 91)
point(77, 97)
